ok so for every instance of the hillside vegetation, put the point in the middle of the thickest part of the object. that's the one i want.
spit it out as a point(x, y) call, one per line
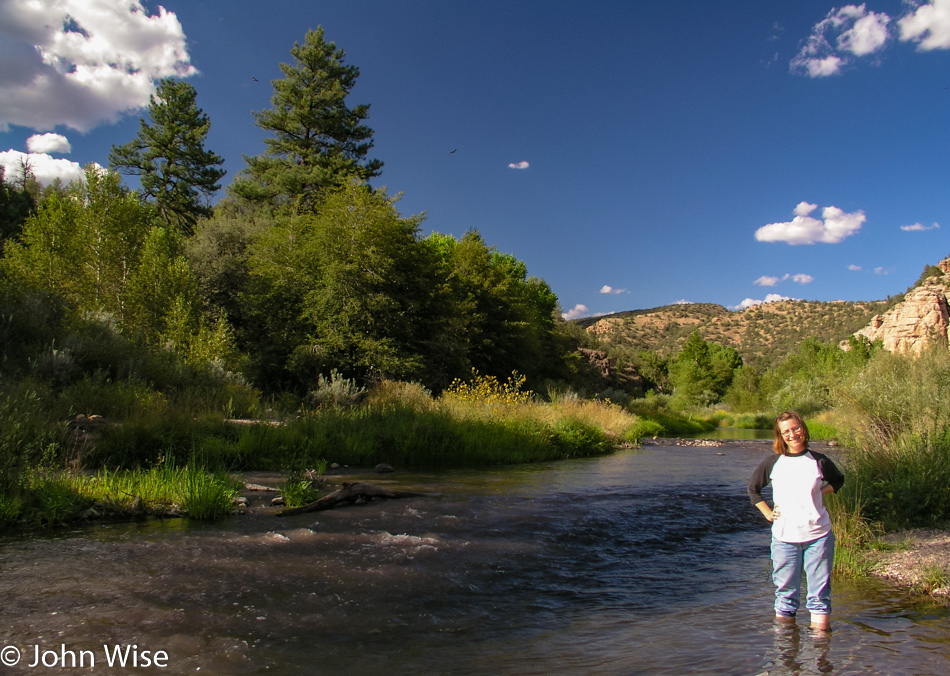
point(763, 334)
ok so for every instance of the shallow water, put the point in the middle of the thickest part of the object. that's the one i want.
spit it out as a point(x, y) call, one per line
point(645, 562)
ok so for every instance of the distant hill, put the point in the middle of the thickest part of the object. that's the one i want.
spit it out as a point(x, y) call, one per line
point(762, 334)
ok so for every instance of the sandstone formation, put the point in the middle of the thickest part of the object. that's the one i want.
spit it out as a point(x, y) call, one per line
point(920, 320)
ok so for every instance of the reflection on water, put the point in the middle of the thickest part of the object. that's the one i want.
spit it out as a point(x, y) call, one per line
point(649, 562)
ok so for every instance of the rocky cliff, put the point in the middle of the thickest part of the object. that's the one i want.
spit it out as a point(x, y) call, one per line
point(917, 322)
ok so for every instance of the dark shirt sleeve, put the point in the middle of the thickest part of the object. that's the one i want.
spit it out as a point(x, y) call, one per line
point(760, 479)
point(829, 471)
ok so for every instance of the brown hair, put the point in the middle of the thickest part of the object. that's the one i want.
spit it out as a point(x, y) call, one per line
point(780, 447)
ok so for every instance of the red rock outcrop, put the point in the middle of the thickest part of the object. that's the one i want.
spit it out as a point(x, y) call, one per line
point(919, 320)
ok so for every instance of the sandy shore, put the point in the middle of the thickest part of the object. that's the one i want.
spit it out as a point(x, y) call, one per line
point(920, 561)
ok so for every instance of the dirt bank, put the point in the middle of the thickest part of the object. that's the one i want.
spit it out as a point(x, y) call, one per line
point(920, 560)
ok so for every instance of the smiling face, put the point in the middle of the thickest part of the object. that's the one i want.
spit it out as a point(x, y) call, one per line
point(794, 434)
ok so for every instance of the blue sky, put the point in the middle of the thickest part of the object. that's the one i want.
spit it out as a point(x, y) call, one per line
point(633, 154)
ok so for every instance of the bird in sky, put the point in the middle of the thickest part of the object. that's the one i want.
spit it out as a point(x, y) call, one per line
point(255, 79)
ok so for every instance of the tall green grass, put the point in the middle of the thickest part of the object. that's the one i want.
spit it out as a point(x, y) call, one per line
point(895, 418)
point(57, 498)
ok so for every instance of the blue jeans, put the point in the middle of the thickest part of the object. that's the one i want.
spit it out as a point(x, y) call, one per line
point(788, 560)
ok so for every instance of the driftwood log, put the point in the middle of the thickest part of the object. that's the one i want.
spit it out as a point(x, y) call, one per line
point(349, 494)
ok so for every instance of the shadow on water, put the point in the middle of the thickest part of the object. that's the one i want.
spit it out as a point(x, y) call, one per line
point(649, 562)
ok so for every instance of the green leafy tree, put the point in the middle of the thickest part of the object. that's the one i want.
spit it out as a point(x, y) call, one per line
point(84, 244)
point(98, 248)
point(500, 319)
point(318, 142)
point(346, 287)
point(702, 372)
point(168, 155)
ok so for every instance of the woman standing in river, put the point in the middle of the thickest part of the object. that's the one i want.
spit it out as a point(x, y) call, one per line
point(801, 527)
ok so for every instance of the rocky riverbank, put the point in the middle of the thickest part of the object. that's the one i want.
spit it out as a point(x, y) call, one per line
point(919, 559)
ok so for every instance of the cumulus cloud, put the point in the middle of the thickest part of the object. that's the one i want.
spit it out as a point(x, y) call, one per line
point(80, 63)
point(834, 226)
point(920, 227)
point(578, 310)
point(801, 278)
point(766, 281)
point(518, 165)
point(928, 25)
point(855, 268)
point(48, 143)
point(752, 302)
point(851, 31)
point(45, 169)
point(609, 289)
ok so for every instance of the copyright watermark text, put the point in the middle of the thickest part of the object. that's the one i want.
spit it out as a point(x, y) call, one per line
point(128, 656)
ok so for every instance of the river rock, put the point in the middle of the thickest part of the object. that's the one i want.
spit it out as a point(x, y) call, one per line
point(383, 468)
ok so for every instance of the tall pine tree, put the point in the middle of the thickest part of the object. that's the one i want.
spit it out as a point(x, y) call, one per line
point(318, 141)
point(170, 158)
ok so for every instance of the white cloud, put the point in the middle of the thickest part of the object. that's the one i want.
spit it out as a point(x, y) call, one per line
point(609, 289)
point(80, 63)
point(48, 143)
point(834, 226)
point(519, 165)
point(752, 302)
point(578, 310)
point(45, 168)
point(855, 268)
point(682, 302)
point(881, 271)
point(920, 227)
point(767, 280)
point(844, 33)
point(928, 25)
point(866, 36)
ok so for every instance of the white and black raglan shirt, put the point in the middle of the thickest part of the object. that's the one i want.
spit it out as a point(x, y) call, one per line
point(796, 493)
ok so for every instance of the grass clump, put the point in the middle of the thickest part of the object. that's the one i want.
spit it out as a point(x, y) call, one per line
point(58, 498)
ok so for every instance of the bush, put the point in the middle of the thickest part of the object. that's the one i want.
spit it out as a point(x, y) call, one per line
point(336, 391)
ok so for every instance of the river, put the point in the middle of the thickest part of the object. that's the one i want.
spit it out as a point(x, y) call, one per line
point(643, 562)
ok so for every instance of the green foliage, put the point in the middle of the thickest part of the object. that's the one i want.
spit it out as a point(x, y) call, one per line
point(895, 418)
point(205, 496)
point(96, 250)
point(702, 372)
point(344, 288)
point(299, 488)
point(169, 157)
point(318, 141)
point(743, 394)
point(29, 434)
point(82, 246)
point(496, 318)
point(807, 379)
